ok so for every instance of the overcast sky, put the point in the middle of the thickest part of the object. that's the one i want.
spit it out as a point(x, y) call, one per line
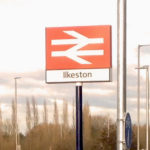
point(22, 47)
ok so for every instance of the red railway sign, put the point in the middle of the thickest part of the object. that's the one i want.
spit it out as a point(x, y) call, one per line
point(78, 53)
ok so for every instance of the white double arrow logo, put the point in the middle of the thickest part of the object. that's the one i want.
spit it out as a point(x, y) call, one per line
point(75, 51)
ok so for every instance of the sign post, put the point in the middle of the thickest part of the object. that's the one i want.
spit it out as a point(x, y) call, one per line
point(121, 73)
point(78, 55)
point(79, 128)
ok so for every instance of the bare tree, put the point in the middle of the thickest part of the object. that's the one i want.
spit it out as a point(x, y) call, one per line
point(73, 114)
point(64, 128)
point(87, 126)
point(45, 113)
point(8, 128)
point(13, 117)
point(35, 112)
point(56, 118)
point(56, 129)
point(8, 135)
point(65, 113)
point(46, 131)
point(28, 122)
point(1, 124)
point(28, 115)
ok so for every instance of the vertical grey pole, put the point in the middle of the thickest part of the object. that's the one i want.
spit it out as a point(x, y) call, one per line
point(121, 72)
point(138, 102)
point(16, 113)
point(147, 108)
point(79, 135)
point(16, 117)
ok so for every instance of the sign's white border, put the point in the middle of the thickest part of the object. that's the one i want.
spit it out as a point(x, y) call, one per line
point(79, 75)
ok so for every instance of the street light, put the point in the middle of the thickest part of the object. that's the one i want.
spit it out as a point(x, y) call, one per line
point(16, 126)
point(138, 98)
point(147, 104)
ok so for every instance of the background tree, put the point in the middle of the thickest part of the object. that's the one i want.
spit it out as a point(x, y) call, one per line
point(134, 139)
point(65, 117)
point(8, 135)
point(45, 113)
point(143, 136)
point(65, 125)
point(44, 137)
point(13, 117)
point(1, 124)
point(28, 122)
point(73, 114)
point(46, 131)
point(35, 112)
point(28, 115)
point(87, 127)
point(55, 118)
point(13, 126)
point(56, 129)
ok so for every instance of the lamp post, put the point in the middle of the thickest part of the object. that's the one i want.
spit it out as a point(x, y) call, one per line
point(147, 107)
point(121, 72)
point(147, 104)
point(16, 118)
point(138, 98)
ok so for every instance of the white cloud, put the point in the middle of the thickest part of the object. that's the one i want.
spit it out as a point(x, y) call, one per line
point(98, 91)
point(4, 107)
point(3, 90)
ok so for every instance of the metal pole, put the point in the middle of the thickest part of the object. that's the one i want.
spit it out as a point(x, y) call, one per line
point(138, 102)
point(147, 104)
point(147, 108)
point(16, 117)
point(138, 97)
point(79, 135)
point(121, 72)
point(16, 113)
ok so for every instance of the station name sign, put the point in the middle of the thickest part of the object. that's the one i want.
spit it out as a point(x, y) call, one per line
point(78, 54)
